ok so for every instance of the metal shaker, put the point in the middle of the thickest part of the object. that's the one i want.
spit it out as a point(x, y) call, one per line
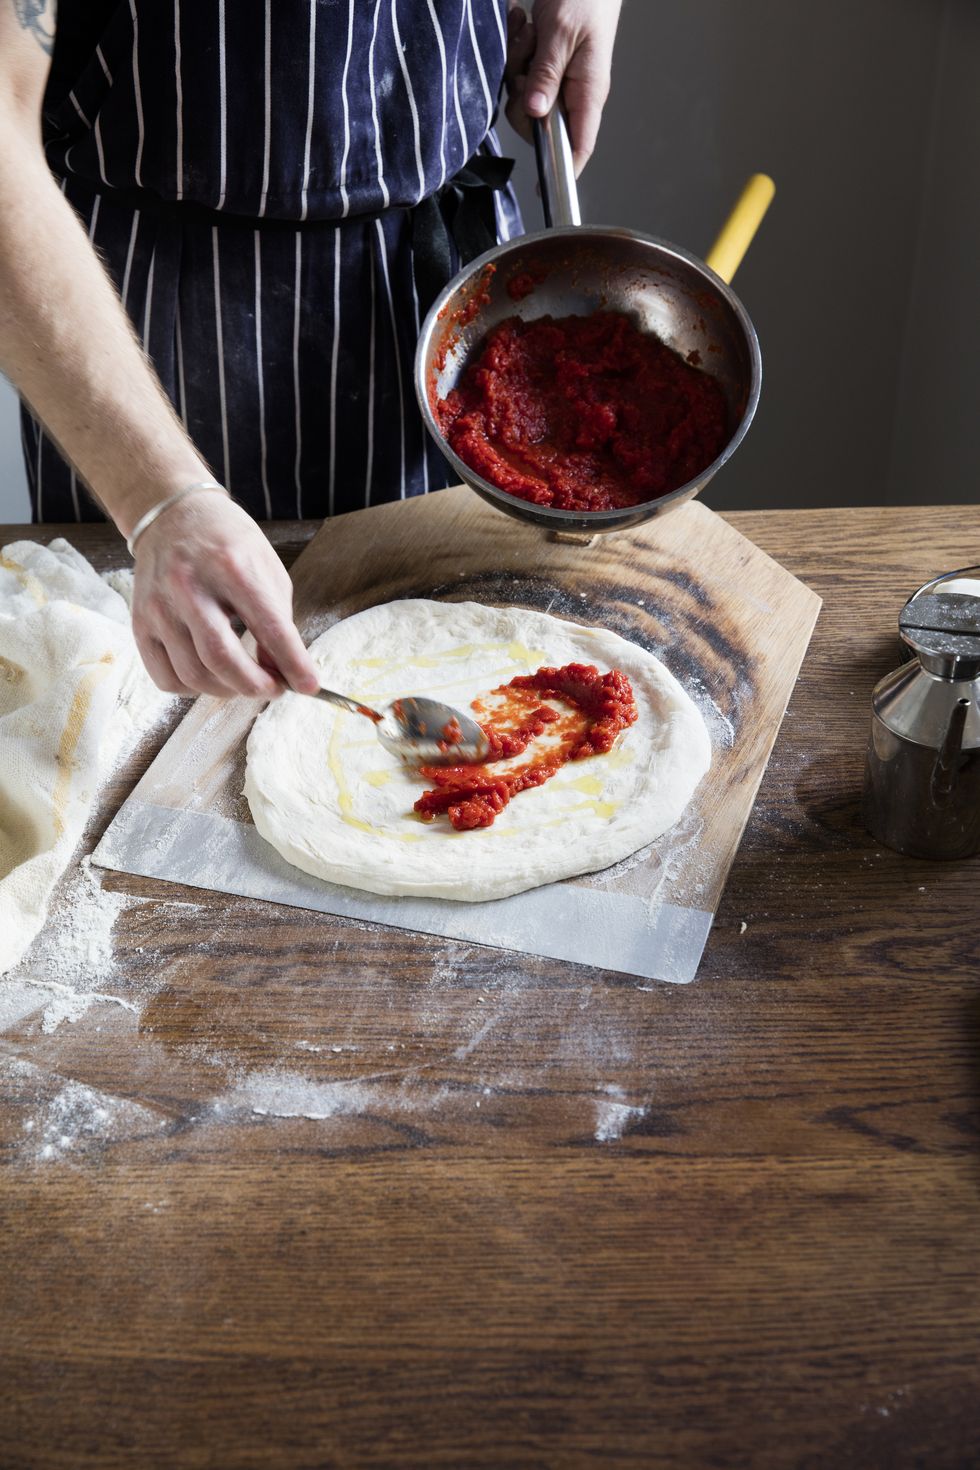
point(922, 780)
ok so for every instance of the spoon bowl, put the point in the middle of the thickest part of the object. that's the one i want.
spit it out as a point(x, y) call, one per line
point(421, 732)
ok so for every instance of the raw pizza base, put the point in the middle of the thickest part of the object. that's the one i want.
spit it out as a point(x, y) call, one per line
point(334, 803)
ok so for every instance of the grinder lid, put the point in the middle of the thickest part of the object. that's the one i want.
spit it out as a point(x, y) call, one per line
point(941, 623)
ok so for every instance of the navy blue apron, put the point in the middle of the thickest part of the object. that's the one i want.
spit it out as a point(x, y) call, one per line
point(257, 176)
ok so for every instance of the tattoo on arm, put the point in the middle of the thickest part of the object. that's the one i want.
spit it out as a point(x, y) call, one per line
point(38, 17)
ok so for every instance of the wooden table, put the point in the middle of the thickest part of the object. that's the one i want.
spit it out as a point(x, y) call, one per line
point(546, 1216)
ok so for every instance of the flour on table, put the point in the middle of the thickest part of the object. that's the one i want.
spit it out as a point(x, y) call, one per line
point(327, 796)
point(283, 1094)
point(71, 965)
point(73, 957)
point(72, 960)
point(613, 1119)
point(73, 1122)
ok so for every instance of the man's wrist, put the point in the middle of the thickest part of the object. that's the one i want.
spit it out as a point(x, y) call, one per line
point(128, 506)
point(151, 516)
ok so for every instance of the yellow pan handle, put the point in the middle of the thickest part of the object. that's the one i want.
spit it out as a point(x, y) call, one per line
point(725, 255)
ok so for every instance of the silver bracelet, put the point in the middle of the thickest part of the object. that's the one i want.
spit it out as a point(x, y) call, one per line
point(158, 510)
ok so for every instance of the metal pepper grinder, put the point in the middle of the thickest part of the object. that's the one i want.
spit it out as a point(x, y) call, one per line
point(922, 782)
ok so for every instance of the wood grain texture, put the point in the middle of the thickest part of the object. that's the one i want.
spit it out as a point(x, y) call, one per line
point(727, 620)
point(547, 1218)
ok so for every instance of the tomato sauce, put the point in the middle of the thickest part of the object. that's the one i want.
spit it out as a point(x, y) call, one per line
point(583, 413)
point(452, 735)
point(598, 708)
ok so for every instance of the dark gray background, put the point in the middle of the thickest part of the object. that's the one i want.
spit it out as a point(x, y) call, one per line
point(864, 281)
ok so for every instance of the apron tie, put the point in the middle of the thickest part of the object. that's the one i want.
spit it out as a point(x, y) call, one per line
point(456, 224)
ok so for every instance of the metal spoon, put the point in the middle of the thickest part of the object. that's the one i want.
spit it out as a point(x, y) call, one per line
point(416, 730)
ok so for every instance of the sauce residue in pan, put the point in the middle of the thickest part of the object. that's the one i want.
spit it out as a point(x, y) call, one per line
point(583, 413)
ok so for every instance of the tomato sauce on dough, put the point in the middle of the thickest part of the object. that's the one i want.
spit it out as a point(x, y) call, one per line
point(598, 708)
point(583, 413)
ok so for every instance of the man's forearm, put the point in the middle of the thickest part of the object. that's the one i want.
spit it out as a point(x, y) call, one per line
point(67, 344)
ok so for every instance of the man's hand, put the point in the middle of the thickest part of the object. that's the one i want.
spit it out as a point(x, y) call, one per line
point(67, 344)
point(202, 563)
point(566, 48)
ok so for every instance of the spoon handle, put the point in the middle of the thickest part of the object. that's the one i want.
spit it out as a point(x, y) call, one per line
point(354, 705)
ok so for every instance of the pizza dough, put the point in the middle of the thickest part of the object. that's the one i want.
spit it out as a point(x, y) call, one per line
point(333, 802)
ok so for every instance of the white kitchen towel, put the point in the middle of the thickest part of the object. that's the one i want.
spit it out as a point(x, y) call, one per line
point(72, 687)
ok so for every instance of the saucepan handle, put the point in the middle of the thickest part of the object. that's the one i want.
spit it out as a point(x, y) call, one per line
point(556, 170)
point(725, 255)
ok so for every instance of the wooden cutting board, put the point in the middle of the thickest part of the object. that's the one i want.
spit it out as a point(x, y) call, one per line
point(727, 620)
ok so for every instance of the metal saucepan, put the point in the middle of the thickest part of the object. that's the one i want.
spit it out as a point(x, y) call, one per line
point(580, 269)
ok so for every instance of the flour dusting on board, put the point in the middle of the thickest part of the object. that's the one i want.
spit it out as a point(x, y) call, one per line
point(720, 727)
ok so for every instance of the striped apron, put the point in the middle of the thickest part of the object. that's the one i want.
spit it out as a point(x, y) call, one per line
point(250, 172)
